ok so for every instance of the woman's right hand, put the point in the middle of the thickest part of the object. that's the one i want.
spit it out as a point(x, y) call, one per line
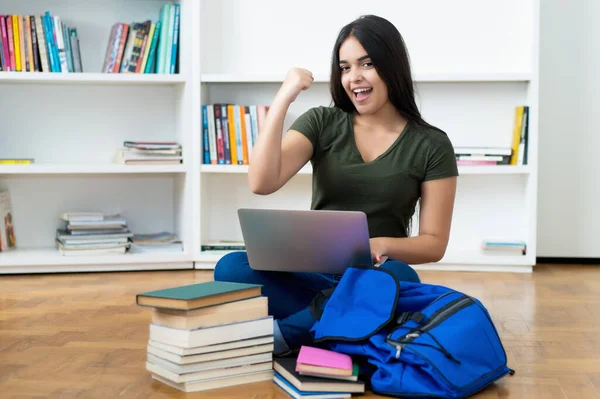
point(296, 80)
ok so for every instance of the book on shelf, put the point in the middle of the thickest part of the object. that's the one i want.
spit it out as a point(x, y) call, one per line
point(513, 154)
point(92, 233)
point(155, 242)
point(145, 46)
point(225, 338)
point(149, 153)
point(220, 246)
point(16, 161)
point(38, 43)
point(504, 247)
point(229, 132)
point(8, 238)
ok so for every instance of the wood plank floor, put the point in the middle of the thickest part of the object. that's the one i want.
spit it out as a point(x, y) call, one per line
point(82, 336)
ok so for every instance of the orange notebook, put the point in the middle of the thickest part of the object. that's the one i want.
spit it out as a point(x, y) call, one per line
point(323, 361)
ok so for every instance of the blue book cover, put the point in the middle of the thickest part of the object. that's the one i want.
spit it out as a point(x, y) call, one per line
point(205, 145)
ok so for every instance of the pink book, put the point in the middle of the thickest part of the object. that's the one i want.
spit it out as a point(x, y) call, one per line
point(318, 357)
point(4, 37)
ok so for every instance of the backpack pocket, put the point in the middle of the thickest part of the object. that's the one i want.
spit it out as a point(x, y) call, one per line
point(450, 349)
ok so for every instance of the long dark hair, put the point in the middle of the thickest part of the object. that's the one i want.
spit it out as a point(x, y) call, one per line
point(387, 50)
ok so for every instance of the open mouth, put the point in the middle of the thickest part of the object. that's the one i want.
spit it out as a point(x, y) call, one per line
point(362, 93)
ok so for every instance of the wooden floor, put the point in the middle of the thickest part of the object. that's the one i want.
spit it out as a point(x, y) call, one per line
point(82, 336)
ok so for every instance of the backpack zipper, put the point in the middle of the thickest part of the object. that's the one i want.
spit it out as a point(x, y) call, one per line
point(437, 317)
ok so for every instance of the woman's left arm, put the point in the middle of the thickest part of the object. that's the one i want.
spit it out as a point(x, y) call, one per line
point(435, 219)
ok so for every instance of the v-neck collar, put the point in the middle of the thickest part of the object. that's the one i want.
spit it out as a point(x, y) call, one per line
point(383, 154)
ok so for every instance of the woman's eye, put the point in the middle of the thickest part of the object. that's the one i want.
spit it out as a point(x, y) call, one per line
point(368, 64)
point(343, 68)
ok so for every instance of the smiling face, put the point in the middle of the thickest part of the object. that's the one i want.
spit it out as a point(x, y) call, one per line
point(360, 79)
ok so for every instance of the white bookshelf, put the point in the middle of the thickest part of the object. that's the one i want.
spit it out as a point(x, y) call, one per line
point(72, 125)
point(468, 84)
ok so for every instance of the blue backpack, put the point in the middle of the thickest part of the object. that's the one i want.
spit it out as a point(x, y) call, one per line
point(411, 339)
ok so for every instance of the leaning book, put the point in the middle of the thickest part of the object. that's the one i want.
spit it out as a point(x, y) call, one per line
point(7, 230)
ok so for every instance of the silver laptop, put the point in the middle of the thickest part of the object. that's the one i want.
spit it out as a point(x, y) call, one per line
point(305, 240)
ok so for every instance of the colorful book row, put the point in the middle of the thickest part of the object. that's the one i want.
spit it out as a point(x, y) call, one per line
point(229, 132)
point(38, 43)
point(145, 47)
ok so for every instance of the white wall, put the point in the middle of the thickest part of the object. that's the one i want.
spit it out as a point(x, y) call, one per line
point(569, 169)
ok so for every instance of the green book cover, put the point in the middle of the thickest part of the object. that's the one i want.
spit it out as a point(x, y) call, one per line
point(201, 290)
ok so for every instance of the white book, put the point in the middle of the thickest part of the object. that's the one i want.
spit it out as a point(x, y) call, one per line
point(212, 348)
point(212, 365)
point(194, 386)
point(212, 335)
point(208, 374)
point(207, 357)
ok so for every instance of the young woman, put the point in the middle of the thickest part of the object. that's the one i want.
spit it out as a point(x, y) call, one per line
point(371, 151)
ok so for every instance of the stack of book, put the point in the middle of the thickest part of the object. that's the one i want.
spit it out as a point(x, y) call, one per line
point(149, 153)
point(145, 47)
point(159, 242)
point(209, 335)
point(92, 233)
point(479, 156)
point(318, 373)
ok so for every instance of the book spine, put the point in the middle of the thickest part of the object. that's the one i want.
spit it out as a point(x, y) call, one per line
point(17, 46)
point(11, 42)
point(225, 125)
point(75, 48)
point(238, 134)
point(150, 65)
point(121, 48)
point(60, 45)
point(232, 134)
point(219, 130)
point(175, 41)
point(5, 48)
point(37, 66)
point(205, 139)
point(51, 45)
point(212, 135)
point(69, 54)
point(169, 44)
point(164, 37)
point(146, 49)
point(23, 45)
point(41, 40)
point(114, 48)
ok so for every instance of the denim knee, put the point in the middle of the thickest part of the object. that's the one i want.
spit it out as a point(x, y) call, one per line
point(233, 267)
point(402, 271)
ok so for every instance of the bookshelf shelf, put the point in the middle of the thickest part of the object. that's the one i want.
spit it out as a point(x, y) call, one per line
point(463, 170)
point(90, 78)
point(456, 260)
point(324, 77)
point(39, 259)
point(39, 169)
point(306, 170)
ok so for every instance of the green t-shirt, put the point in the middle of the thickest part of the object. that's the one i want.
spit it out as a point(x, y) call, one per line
point(385, 189)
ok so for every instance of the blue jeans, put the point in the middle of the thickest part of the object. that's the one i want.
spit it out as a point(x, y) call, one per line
point(290, 294)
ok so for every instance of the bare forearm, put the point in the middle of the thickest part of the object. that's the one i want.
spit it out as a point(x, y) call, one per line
point(415, 250)
point(265, 163)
